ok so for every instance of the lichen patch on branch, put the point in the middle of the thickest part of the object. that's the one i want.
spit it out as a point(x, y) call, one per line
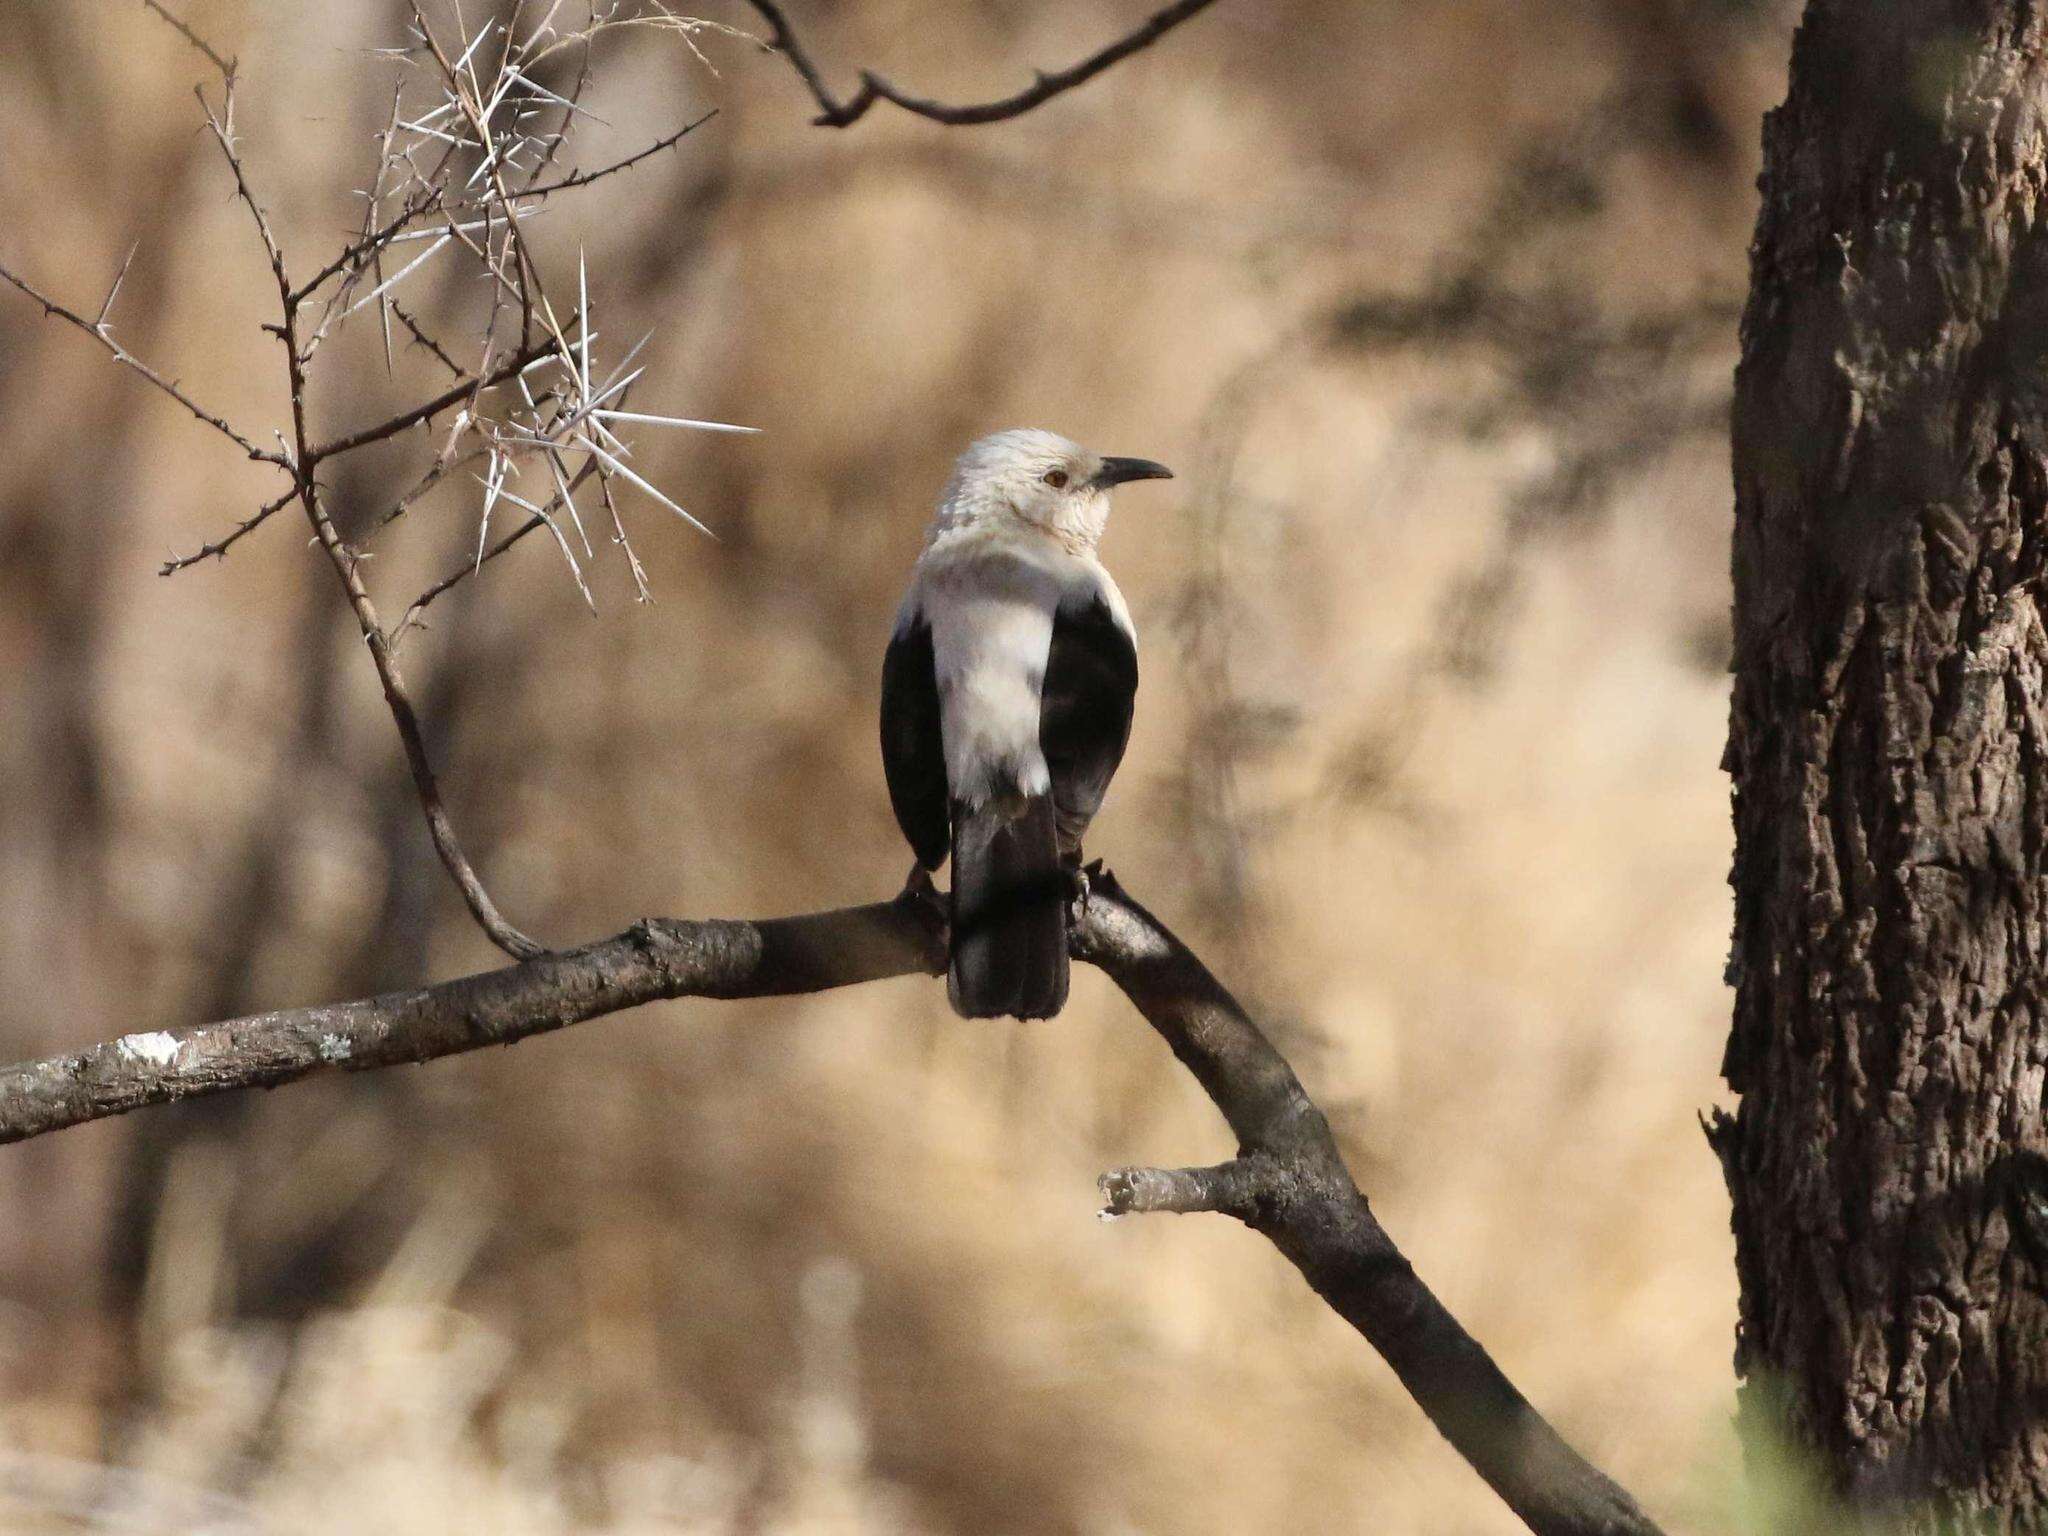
point(156, 1048)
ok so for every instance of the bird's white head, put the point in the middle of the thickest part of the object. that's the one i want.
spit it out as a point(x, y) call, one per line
point(1037, 480)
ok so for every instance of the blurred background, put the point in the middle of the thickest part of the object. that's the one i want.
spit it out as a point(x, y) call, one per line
point(1430, 306)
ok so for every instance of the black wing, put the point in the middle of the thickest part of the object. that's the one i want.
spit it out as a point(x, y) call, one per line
point(1091, 686)
point(913, 753)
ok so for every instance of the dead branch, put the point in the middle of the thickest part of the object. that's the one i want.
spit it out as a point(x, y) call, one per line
point(220, 546)
point(655, 959)
point(1288, 1181)
point(101, 332)
point(347, 562)
point(440, 828)
point(484, 556)
point(427, 410)
point(421, 336)
point(225, 66)
point(837, 113)
point(578, 179)
point(479, 118)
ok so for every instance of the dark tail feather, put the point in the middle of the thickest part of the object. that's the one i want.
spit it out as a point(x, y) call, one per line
point(1009, 911)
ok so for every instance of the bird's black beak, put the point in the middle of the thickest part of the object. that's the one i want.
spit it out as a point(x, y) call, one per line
point(1117, 471)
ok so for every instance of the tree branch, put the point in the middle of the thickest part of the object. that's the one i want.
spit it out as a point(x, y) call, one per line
point(654, 959)
point(835, 113)
point(440, 828)
point(1231, 1189)
point(346, 560)
point(103, 334)
point(585, 178)
point(455, 394)
point(219, 547)
point(1288, 1182)
point(581, 412)
point(225, 66)
point(484, 556)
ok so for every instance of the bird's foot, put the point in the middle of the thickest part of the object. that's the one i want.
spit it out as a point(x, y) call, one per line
point(1077, 886)
point(921, 899)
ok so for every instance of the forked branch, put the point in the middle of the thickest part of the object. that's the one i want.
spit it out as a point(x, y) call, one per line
point(1288, 1182)
point(838, 112)
point(529, 403)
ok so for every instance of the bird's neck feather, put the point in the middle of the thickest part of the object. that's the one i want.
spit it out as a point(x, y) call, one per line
point(1077, 530)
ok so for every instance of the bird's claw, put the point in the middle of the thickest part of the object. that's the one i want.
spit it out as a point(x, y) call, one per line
point(1077, 885)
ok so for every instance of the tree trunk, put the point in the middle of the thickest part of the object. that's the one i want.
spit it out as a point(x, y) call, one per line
point(1890, 763)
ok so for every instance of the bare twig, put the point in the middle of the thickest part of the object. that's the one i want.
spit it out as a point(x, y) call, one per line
point(419, 334)
point(352, 257)
point(1289, 1181)
point(345, 561)
point(611, 506)
point(113, 292)
point(455, 394)
point(585, 178)
point(445, 464)
point(225, 66)
point(104, 335)
point(220, 546)
point(410, 619)
point(836, 113)
point(439, 826)
point(372, 205)
point(224, 135)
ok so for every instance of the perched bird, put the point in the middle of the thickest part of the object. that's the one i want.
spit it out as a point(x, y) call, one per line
point(1006, 703)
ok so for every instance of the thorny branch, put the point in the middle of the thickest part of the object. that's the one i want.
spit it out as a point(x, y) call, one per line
point(225, 66)
point(517, 408)
point(835, 112)
point(538, 519)
point(346, 562)
point(1288, 1182)
point(220, 546)
point(103, 333)
point(578, 179)
point(427, 410)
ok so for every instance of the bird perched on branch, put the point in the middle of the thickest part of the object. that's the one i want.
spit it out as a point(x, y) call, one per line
point(1006, 702)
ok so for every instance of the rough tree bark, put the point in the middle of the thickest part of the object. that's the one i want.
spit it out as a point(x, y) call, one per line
point(1890, 765)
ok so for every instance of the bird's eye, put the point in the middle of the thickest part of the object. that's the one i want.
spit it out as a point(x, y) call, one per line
point(1056, 478)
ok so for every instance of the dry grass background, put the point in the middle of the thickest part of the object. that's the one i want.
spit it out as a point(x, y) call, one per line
point(1428, 304)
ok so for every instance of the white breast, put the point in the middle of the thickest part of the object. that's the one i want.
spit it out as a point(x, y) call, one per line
point(989, 597)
